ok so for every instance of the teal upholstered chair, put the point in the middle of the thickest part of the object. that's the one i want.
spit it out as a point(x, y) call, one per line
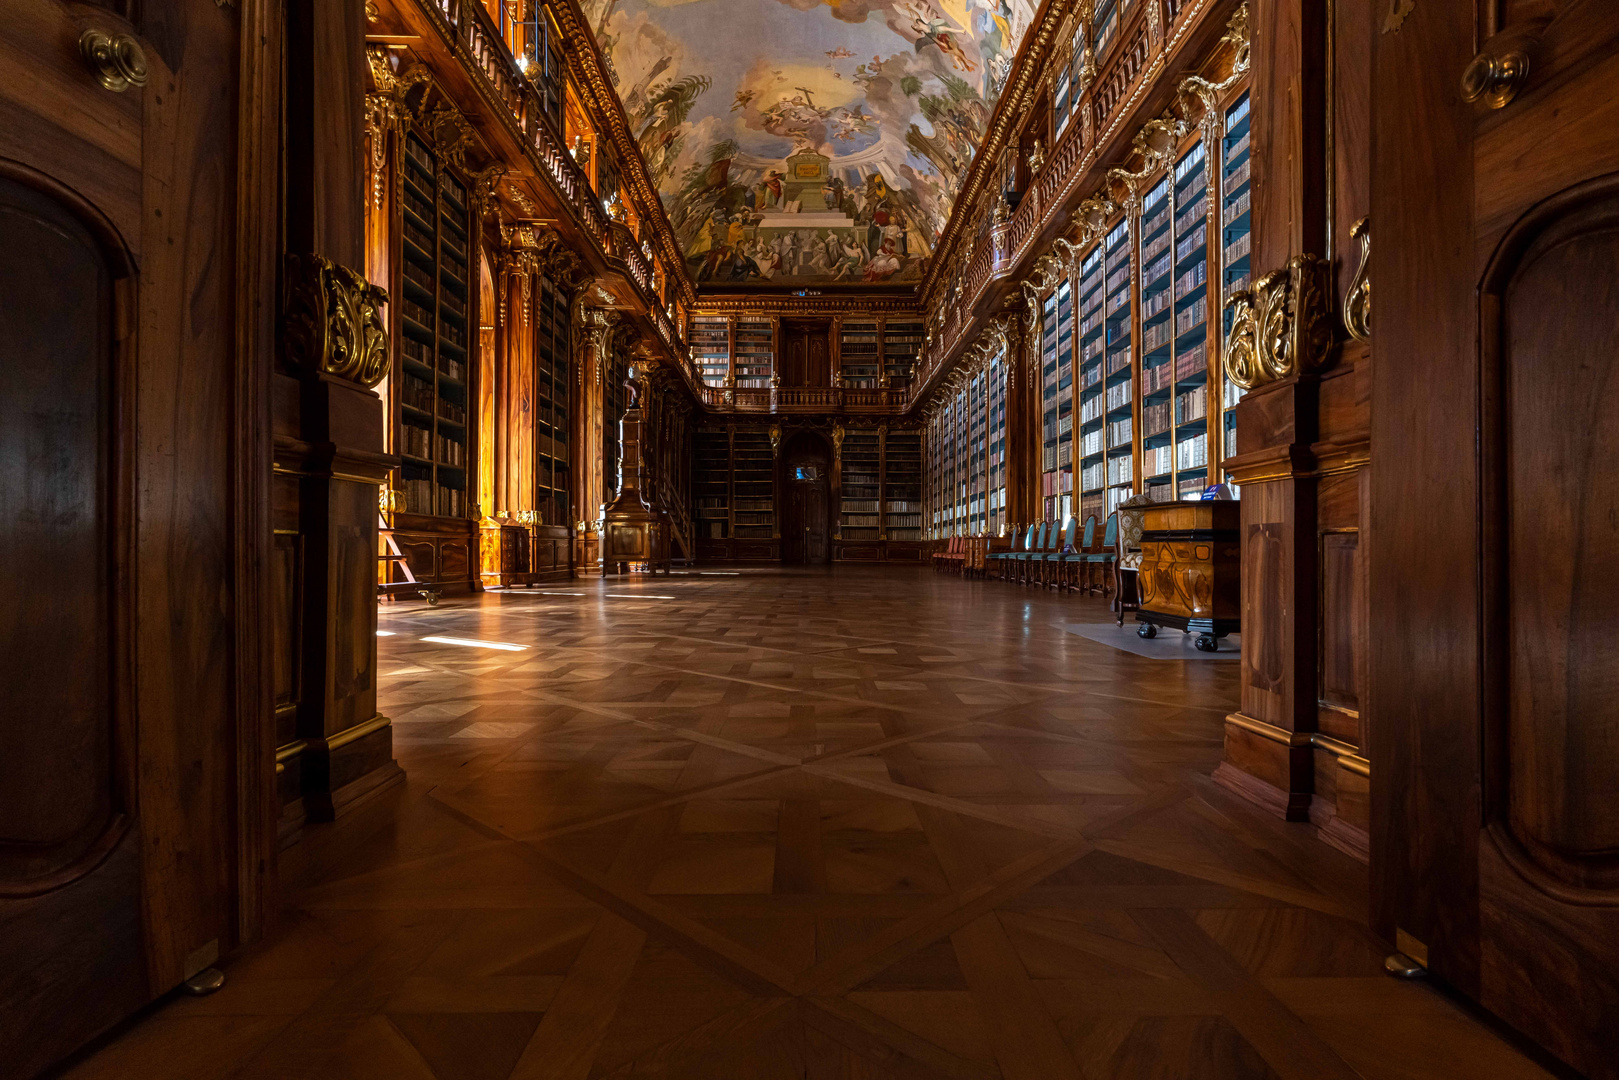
point(1102, 561)
point(1002, 560)
point(1060, 536)
point(1064, 552)
point(1075, 556)
point(1026, 563)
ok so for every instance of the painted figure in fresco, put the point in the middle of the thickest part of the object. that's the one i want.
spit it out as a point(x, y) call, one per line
point(770, 188)
point(884, 264)
point(851, 259)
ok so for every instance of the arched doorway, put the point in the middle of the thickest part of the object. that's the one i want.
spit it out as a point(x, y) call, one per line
point(806, 463)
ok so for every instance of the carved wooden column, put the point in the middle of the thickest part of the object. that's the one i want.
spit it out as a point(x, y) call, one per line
point(1296, 745)
point(329, 459)
point(593, 344)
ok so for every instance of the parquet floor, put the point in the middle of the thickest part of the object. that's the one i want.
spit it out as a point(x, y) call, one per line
point(820, 825)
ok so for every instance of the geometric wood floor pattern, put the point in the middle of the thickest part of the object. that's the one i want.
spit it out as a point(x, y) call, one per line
point(848, 824)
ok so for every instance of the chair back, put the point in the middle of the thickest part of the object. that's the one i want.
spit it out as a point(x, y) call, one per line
point(1028, 539)
point(1068, 534)
point(1110, 535)
point(1040, 541)
point(1017, 541)
point(1090, 532)
point(956, 544)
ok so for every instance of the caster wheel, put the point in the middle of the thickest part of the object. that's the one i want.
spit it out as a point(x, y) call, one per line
point(1147, 630)
point(1205, 643)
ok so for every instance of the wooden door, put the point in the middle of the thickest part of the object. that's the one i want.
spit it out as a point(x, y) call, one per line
point(124, 439)
point(806, 486)
point(1495, 509)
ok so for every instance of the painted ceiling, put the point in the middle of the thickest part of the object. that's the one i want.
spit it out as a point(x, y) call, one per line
point(803, 142)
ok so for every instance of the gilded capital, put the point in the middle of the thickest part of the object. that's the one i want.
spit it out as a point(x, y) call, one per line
point(331, 321)
point(1282, 325)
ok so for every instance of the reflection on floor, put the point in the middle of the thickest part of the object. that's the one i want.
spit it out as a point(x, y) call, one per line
point(861, 824)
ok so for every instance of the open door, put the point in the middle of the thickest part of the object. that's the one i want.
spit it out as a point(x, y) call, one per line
point(125, 439)
point(1495, 533)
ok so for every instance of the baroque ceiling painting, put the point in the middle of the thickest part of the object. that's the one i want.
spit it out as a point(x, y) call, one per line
point(804, 142)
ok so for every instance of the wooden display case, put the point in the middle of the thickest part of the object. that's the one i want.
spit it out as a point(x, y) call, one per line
point(1191, 570)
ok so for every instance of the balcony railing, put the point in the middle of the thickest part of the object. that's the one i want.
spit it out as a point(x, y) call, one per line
point(491, 60)
point(1005, 248)
point(803, 399)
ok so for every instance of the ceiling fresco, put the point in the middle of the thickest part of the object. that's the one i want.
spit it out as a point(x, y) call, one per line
point(805, 142)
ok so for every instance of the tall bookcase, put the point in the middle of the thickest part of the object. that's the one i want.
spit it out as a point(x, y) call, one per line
point(1190, 412)
point(1157, 342)
point(551, 366)
point(977, 452)
point(859, 514)
point(433, 385)
point(711, 483)
point(1235, 244)
point(995, 405)
point(902, 485)
point(861, 366)
point(753, 504)
point(1118, 401)
point(902, 344)
point(1097, 372)
point(711, 348)
point(755, 352)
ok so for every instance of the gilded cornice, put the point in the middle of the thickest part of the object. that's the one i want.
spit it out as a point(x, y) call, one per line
point(1152, 145)
point(1022, 85)
point(587, 59)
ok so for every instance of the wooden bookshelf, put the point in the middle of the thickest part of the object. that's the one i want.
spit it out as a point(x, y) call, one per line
point(1189, 412)
point(1235, 241)
point(860, 358)
point(753, 504)
point(902, 487)
point(860, 492)
point(902, 344)
point(553, 471)
point(431, 389)
point(1129, 393)
point(733, 492)
point(711, 348)
point(755, 349)
point(711, 485)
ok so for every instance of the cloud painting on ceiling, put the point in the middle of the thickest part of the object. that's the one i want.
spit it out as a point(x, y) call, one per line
point(803, 142)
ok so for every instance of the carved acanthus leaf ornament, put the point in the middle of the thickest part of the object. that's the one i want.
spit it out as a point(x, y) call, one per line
point(331, 321)
point(1282, 325)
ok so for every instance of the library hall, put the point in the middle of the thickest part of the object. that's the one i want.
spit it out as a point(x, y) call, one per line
point(771, 540)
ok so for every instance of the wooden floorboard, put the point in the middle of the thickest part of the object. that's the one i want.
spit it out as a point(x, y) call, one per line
point(813, 824)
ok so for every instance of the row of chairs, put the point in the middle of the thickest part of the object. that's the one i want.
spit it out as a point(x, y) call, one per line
point(1056, 557)
point(1061, 558)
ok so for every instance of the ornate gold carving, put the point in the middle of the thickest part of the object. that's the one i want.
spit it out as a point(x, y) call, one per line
point(116, 59)
point(1037, 158)
point(1207, 93)
point(482, 189)
point(1398, 11)
point(330, 321)
point(385, 110)
point(1358, 304)
point(1281, 326)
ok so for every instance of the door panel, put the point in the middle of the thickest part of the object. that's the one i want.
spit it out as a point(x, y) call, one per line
point(57, 771)
point(1554, 297)
point(130, 463)
point(1493, 688)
